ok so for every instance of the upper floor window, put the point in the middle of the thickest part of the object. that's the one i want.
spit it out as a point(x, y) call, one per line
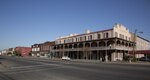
point(76, 39)
point(90, 37)
point(98, 36)
point(80, 38)
point(72, 40)
point(64, 41)
point(120, 35)
point(116, 34)
point(85, 38)
point(106, 35)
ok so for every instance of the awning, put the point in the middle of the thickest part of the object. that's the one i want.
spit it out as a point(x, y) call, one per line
point(140, 52)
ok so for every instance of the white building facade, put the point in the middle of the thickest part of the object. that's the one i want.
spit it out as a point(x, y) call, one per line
point(35, 50)
point(106, 45)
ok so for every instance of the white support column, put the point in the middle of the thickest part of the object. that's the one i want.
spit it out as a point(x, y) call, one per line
point(106, 56)
point(113, 56)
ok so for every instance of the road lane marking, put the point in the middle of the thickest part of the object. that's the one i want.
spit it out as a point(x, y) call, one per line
point(36, 70)
point(19, 67)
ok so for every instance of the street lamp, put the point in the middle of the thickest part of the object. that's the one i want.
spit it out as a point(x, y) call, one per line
point(134, 42)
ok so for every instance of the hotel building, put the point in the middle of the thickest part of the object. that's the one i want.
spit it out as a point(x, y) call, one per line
point(105, 45)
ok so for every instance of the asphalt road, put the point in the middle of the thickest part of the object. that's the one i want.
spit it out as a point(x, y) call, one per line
point(14, 68)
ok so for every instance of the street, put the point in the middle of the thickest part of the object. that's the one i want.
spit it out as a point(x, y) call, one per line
point(18, 68)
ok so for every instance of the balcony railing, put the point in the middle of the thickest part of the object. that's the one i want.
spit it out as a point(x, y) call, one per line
point(96, 48)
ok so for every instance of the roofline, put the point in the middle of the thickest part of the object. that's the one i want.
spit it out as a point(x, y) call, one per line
point(143, 38)
point(88, 33)
point(22, 47)
point(140, 37)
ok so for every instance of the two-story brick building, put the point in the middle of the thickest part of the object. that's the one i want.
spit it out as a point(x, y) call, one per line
point(45, 48)
point(42, 49)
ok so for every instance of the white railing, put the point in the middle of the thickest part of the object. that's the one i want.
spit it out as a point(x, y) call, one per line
point(97, 48)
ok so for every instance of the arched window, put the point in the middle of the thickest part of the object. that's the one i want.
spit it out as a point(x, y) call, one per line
point(101, 44)
point(87, 45)
point(94, 44)
point(80, 45)
point(75, 46)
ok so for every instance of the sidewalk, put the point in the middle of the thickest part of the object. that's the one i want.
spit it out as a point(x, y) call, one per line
point(130, 63)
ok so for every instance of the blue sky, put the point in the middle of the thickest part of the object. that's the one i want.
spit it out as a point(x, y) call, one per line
point(25, 22)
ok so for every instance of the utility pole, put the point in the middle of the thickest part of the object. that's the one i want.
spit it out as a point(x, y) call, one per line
point(134, 43)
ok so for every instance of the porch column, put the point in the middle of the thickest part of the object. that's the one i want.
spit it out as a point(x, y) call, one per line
point(113, 56)
point(97, 56)
point(106, 56)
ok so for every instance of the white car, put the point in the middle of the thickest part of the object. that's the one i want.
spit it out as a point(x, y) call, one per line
point(65, 58)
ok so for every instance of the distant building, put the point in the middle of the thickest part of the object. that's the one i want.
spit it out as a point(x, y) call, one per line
point(35, 50)
point(142, 46)
point(24, 51)
point(42, 49)
point(45, 48)
point(10, 51)
point(4, 52)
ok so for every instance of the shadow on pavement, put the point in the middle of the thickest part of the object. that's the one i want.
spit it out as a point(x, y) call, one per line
point(5, 77)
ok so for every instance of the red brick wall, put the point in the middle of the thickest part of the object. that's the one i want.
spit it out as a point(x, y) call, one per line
point(23, 50)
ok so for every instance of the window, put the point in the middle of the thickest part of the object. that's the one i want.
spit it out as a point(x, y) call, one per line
point(103, 35)
point(72, 40)
point(98, 36)
point(122, 36)
point(64, 41)
point(85, 38)
point(76, 39)
point(90, 37)
point(80, 38)
point(116, 34)
point(106, 35)
point(119, 35)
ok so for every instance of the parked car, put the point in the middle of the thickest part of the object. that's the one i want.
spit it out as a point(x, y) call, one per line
point(145, 59)
point(65, 58)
